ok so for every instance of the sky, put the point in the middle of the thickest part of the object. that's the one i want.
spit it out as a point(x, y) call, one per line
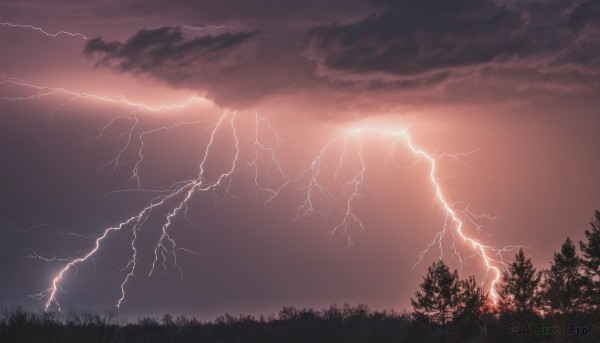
point(203, 157)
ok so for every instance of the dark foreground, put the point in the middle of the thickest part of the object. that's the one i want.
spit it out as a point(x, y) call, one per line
point(334, 324)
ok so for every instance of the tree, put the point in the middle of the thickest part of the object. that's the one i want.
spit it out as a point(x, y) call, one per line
point(167, 320)
point(472, 299)
point(591, 262)
point(470, 309)
point(440, 298)
point(518, 290)
point(561, 288)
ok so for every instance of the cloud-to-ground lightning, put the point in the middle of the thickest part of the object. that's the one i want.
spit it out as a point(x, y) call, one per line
point(165, 245)
point(175, 200)
point(456, 223)
point(455, 219)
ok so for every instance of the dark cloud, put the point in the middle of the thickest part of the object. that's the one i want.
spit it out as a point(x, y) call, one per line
point(236, 69)
point(587, 13)
point(413, 37)
point(460, 50)
point(156, 44)
point(223, 67)
point(167, 54)
point(405, 39)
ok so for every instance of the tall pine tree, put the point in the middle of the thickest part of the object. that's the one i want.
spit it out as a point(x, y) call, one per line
point(469, 316)
point(591, 262)
point(518, 290)
point(472, 298)
point(562, 285)
point(440, 298)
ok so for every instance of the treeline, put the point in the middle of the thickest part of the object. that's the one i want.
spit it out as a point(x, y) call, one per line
point(560, 304)
point(334, 324)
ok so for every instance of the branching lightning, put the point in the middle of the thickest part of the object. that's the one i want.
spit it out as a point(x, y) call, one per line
point(455, 218)
point(40, 92)
point(166, 245)
point(264, 163)
point(45, 32)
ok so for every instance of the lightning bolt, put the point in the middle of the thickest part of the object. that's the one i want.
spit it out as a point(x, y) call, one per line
point(45, 91)
point(319, 196)
point(272, 153)
point(44, 32)
point(166, 245)
point(491, 256)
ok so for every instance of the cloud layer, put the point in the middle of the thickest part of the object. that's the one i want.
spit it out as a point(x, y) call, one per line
point(556, 42)
point(464, 50)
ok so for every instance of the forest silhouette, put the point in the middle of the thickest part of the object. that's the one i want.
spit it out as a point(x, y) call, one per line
point(560, 304)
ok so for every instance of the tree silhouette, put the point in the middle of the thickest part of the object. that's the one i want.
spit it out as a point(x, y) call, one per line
point(561, 288)
point(444, 307)
point(591, 262)
point(518, 290)
point(440, 298)
point(470, 309)
point(472, 298)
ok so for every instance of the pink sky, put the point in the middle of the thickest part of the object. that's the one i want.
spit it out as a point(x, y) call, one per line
point(527, 121)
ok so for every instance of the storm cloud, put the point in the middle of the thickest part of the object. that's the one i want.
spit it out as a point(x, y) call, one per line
point(477, 48)
point(158, 50)
point(407, 38)
point(167, 54)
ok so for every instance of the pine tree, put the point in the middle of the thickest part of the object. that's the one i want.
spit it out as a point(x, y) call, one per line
point(470, 310)
point(591, 262)
point(472, 299)
point(518, 290)
point(562, 286)
point(440, 298)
